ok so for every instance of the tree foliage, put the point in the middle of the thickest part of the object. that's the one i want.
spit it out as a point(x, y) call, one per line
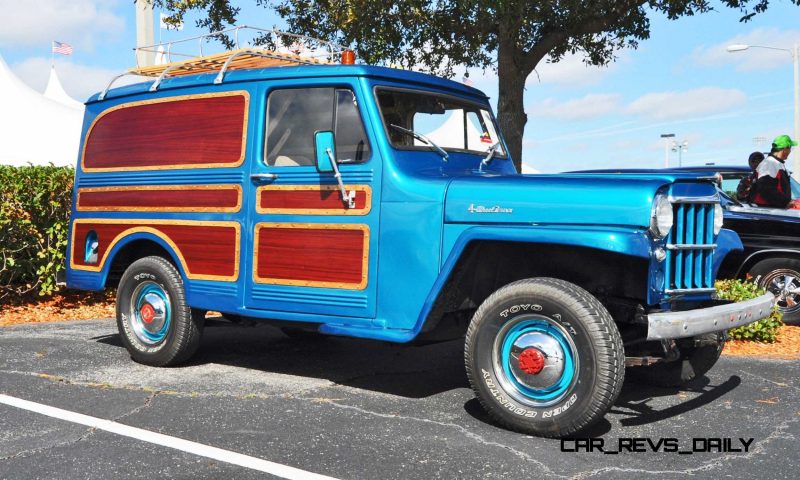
point(510, 36)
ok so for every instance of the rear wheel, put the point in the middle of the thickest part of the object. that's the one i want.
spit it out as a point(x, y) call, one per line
point(156, 325)
point(544, 357)
point(781, 276)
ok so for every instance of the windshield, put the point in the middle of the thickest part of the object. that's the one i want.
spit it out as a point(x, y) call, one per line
point(450, 123)
point(731, 180)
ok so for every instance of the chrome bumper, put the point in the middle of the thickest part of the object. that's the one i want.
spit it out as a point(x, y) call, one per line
point(689, 323)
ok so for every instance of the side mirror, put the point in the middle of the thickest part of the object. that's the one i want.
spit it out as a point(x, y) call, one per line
point(325, 151)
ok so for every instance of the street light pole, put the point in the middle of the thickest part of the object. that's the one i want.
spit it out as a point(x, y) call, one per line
point(795, 53)
point(796, 59)
point(680, 147)
point(666, 137)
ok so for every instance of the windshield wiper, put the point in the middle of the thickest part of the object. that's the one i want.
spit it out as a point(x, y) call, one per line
point(421, 138)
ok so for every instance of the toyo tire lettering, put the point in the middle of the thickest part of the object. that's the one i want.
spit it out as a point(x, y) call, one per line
point(552, 370)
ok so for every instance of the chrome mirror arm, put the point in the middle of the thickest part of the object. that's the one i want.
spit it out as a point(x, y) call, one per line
point(490, 155)
point(349, 198)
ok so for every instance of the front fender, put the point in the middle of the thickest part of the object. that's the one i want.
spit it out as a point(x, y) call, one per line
point(627, 241)
point(727, 241)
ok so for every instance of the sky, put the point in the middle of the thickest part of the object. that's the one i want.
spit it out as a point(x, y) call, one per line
point(680, 81)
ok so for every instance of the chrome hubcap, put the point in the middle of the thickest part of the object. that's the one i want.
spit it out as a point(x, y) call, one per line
point(535, 360)
point(150, 313)
point(785, 285)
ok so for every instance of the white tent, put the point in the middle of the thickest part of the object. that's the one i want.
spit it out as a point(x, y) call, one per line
point(55, 91)
point(33, 128)
point(528, 169)
point(453, 128)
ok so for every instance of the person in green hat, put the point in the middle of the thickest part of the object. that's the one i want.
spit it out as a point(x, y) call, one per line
point(772, 187)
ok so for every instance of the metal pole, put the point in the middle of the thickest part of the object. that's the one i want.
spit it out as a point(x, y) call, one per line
point(144, 33)
point(666, 137)
point(796, 59)
point(666, 154)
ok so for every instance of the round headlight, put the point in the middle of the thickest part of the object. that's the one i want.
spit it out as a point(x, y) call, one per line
point(718, 218)
point(661, 218)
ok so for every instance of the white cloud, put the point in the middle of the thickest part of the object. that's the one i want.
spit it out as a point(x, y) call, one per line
point(691, 103)
point(753, 59)
point(591, 106)
point(569, 72)
point(77, 22)
point(629, 144)
point(80, 81)
point(572, 72)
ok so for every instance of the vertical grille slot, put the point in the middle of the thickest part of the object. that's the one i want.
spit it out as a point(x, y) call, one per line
point(690, 247)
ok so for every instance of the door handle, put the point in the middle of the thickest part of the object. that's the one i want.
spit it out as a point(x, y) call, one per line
point(263, 177)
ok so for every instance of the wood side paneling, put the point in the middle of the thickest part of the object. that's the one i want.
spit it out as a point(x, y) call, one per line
point(206, 250)
point(192, 131)
point(313, 255)
point(312, 200)
point(162, 198)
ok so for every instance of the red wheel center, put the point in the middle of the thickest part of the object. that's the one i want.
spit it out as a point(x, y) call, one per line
point(147, 312)
point(531, 361)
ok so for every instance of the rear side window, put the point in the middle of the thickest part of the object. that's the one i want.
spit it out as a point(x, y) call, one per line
point(294, 115)
point(189, 131)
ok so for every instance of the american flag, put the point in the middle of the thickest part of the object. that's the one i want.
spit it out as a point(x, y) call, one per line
point(62, 48)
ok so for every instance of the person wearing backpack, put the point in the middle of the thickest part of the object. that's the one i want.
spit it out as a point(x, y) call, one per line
point(745, 191)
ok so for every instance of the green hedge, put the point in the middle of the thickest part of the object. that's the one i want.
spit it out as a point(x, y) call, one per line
point(35, 203)
point(765, 330)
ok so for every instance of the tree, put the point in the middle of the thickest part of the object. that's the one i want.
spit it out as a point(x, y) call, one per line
point(510, 36)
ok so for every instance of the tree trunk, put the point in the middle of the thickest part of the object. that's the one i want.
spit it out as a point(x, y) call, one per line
point(510, 105)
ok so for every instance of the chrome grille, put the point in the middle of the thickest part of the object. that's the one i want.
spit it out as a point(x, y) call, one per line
point(690, 247)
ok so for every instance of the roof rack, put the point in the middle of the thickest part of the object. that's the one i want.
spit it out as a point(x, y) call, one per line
point(304, 50)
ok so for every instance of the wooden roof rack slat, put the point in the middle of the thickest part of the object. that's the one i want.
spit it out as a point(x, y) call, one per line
point(237, 59)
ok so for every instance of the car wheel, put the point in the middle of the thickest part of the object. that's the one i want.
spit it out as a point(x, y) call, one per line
point(156, 325)
point(544, 357)
point(698, 355)
point(781, 276)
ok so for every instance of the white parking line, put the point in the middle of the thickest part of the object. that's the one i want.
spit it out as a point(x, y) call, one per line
point(226, 456)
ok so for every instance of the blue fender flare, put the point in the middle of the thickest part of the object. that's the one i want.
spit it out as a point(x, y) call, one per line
point(627, 241)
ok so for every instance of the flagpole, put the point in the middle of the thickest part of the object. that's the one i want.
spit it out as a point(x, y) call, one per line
point(52, 55)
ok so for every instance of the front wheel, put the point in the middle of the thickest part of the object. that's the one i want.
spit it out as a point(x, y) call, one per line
point(156, 325)
point(544, 357)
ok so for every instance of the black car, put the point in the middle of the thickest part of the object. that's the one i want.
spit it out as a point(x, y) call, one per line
point(771, 238)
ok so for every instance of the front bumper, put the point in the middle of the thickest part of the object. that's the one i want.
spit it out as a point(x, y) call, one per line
point(666, 325)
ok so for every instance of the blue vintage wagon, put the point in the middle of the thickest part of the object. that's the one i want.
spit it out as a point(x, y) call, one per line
point(379, 203)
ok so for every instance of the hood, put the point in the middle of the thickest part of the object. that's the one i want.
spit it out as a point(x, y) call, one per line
point(574, 199)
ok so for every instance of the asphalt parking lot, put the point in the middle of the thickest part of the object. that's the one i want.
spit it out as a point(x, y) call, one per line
point(355, 409)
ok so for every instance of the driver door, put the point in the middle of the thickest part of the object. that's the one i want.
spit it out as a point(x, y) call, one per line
point(312, 252)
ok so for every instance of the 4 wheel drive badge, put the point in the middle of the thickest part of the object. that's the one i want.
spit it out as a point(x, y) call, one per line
point(482, 209)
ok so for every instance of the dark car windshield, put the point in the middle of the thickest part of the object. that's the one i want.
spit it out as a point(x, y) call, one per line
point(730, 180)
point(450, 123)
